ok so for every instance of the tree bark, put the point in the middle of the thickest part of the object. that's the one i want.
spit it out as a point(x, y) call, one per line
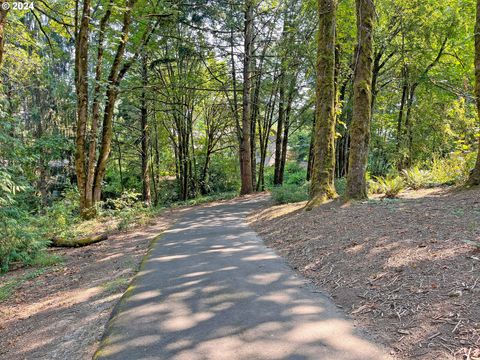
point(3, 21)
point(111, 98)
point(245, 145)
point(322, 187)
point(362, 102)
point(474, 178)
point(280, 122)
point(263, 134)
point(286, 128)
point(92, 148)
point(81, 84)
point(146, 197)
point(402, 106)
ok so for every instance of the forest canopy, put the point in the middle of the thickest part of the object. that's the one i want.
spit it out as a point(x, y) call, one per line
point(120, 106)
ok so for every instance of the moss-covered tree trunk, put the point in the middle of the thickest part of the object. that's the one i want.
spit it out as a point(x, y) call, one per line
point(362, 101)
point(474, 178)
point(323, 188)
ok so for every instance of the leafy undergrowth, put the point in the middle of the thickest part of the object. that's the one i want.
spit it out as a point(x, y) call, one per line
point(27, 236)
point(58, 308)
point(452, 170)
point(400, 267)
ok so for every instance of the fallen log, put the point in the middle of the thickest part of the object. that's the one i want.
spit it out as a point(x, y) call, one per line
point(59, 242)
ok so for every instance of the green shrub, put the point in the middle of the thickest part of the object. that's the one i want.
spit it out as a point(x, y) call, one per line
point(126, 200)
point(415, 178)
point(25, 236)
point(374, 187)
point(453, 170)
point(391, 185)
point(294, 174)
point(290, 193)
point(127, 218)
point(22, 237)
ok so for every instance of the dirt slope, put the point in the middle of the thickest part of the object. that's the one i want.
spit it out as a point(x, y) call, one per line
point(61, 313)
point(401, 267)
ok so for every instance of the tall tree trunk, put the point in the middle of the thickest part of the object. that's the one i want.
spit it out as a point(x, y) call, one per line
point(245, 145)
point(474, 178)
point(3, 21)
point(156, 170)
point(402, 107)
point(153, 176)
point(280, 122)
point(92, 149)
point(120, 166)
point(310, 157)
point(323, 170)
point(286, 129)
point(81, 84)
point(263, 134)
point(146, 197)
point(111, 98)
point(362, 102)
point(408, 158)
point(253, 122)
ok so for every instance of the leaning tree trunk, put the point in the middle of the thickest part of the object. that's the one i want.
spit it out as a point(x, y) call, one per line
point(362, 100)
point(322, 187)
point(245, 145)
point(97, 97)
point(111, 97)
point(474, 178)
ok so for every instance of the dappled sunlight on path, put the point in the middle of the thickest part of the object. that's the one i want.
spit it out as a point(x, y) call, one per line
point(211, 290)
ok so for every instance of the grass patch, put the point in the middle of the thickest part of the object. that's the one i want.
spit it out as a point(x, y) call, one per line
point(33, 274)
point(7, 289)
point(116, 284)
point(44, 259)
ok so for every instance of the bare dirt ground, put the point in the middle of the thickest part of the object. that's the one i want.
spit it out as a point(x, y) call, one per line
point(60, 311)
point(400, 267)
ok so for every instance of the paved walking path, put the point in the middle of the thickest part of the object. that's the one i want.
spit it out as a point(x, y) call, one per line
point(210, 290)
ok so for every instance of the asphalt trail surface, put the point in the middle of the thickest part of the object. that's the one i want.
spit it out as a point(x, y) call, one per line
point(210, 289)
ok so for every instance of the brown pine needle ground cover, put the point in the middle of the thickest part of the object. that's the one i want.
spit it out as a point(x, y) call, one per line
point(60, 311)
point(400, 268)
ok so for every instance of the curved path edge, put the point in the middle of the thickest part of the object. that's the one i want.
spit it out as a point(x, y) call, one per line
point(210, 289)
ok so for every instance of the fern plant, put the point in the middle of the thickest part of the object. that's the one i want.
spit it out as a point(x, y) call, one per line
point(391, 185)
point(416, 178)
